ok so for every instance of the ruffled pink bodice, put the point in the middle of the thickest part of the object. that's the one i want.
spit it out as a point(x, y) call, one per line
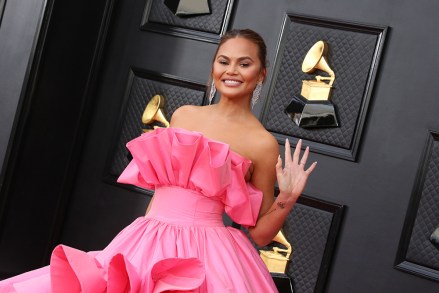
point(187, 159)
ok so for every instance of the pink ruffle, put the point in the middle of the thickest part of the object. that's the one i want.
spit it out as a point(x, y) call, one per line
point(73, 271)
point(178, 157)
point(176, 274)
point(122, 276)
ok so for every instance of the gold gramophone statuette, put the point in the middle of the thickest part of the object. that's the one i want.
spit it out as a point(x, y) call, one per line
point(277, 259)
point(315, 59)
point(154, 112)
point(312, 108)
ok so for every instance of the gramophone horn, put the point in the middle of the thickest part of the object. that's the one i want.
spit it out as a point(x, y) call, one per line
point(315, 59)
point(280, 238)
point(153, 111)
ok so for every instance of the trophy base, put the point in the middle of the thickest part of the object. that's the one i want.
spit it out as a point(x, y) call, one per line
point(185, 8)
point(314, 90)
point(283, 283)
point(311, 114)
point(434, 238)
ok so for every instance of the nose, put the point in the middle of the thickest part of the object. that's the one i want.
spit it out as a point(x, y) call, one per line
point(232, 69)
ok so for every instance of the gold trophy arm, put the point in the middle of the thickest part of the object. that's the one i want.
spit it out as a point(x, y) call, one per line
point(331, 78)
point(280, 238)
point(275, 260)
point(316, 59)
point(154, 112)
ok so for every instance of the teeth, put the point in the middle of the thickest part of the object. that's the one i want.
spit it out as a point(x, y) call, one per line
point(232, 82)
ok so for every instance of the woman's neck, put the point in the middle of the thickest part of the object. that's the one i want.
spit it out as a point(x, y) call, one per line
point(233, 107)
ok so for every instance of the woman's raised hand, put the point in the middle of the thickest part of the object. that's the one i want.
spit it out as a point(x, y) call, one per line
point(292, 177)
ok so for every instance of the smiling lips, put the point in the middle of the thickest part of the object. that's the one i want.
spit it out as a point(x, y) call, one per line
point(232, 82)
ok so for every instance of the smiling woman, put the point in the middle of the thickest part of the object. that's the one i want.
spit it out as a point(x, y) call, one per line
point(240, 61)
point(212, 159)
point(237, 69)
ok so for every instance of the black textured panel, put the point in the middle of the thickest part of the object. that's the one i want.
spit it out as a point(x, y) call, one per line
point(139, 93)
point(420, 249)
point(212, 23)
point(311, 228)
point(351, 55)
point(416, 253)
point(307, 230)
point(159, 18)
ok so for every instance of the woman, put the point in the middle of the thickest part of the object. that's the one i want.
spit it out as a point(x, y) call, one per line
point(212, 159)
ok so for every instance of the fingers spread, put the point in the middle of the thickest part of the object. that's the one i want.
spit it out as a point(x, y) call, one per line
point(296, 154)
point(279, 165)
point(311, 168)
point(287, 151)
point(304, 157)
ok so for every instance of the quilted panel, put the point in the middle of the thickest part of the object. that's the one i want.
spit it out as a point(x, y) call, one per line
point(142, 90)
point(420, 249)
point(307, 229)
point(308, 236)
point(350, 55)
point(212, 23)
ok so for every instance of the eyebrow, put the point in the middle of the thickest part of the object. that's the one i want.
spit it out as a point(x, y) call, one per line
point(239, 59)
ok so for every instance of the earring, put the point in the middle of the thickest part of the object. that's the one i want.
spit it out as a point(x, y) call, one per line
point(212, 92)
point(256, 93)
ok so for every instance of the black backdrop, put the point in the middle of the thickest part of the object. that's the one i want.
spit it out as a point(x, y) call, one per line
point(53, 188)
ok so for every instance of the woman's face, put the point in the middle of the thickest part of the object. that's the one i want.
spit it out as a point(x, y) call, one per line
point(237, 68)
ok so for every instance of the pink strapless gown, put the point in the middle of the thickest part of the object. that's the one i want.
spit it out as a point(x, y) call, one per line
point(182, 244)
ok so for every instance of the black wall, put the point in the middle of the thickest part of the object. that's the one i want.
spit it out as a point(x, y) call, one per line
point(39, 169)
point(61, 107)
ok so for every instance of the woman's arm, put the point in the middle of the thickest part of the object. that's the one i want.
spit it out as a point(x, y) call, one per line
point(291, 179)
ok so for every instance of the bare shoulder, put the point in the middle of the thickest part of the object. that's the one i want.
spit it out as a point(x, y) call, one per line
point(185, 110)
point(183, 113)
point(263, 144)
point(263, 138)
point(266, 142)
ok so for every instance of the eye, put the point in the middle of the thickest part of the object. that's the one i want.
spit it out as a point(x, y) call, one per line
point(223, 62)
point(244, 64)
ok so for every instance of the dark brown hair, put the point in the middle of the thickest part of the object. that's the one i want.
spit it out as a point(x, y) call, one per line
point(250, 35)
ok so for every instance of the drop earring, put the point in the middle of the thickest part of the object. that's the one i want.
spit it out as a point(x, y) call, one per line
point(256, 94)
point(212, 92)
